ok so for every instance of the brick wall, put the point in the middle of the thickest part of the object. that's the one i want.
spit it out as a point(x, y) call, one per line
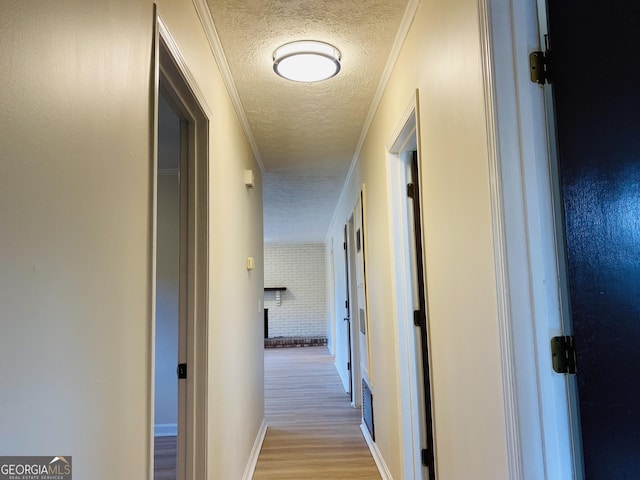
point(302, 310)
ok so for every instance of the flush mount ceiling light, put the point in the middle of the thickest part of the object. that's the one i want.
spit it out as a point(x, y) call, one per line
point(306, 61)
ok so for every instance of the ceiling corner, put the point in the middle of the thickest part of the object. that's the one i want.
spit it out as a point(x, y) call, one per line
point(403, 31)
point(204, 14)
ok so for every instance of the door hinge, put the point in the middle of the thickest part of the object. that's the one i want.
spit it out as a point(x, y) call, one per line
point(540, 66)
point(344, 245)
point(424, 456)
point(418, 318)
point(348, 365)
point(346, 304)
point(411, 190)
point(182, 370)
point(563, 354)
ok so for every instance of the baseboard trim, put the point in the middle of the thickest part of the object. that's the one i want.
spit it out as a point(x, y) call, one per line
point(375, 453)
point(165, 430)
point(255, 453)
point(344, 378)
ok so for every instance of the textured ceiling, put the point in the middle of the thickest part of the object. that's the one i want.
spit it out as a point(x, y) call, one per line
point(306, 134)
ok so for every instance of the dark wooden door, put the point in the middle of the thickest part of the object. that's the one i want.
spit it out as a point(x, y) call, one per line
point(595, 48)
point(420, 316)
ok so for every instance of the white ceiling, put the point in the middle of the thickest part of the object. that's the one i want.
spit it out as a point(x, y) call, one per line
point(306, 134)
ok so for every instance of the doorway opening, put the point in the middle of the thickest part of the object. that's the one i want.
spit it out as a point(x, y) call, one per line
point(352, 319)
point(170, 335)
point(363, 381)
point(409, 294)
point(347, 318)
point(180, 269)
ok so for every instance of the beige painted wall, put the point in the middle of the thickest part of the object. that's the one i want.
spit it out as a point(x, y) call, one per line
point(75, 171)
point(441, 58)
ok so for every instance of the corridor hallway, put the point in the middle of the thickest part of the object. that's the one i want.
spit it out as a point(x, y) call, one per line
point(313, 432)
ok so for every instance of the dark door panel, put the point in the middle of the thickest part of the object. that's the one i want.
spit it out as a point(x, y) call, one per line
point(595, 48)
point(420, 316)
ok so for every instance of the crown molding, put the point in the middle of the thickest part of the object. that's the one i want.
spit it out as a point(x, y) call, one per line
point(204, 14)
point(403, 31)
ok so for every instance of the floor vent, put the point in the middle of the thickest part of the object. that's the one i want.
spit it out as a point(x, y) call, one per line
point(367, 408)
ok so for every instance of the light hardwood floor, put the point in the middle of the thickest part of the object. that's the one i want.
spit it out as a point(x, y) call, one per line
point(164, 465)
point(313, 433)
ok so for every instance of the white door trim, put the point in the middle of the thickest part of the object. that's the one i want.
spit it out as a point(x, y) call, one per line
point(359, 221)
point(535, 398)
point(402, 141)
point(172, 74)
point(356, 372)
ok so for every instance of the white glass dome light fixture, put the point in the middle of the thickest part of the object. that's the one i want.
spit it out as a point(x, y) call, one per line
point(306, 61)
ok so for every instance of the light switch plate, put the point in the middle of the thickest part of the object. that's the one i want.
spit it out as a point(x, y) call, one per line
point(248, 178)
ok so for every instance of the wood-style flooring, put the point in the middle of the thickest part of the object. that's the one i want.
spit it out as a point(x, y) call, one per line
point(164, 461)
point(313, 431)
